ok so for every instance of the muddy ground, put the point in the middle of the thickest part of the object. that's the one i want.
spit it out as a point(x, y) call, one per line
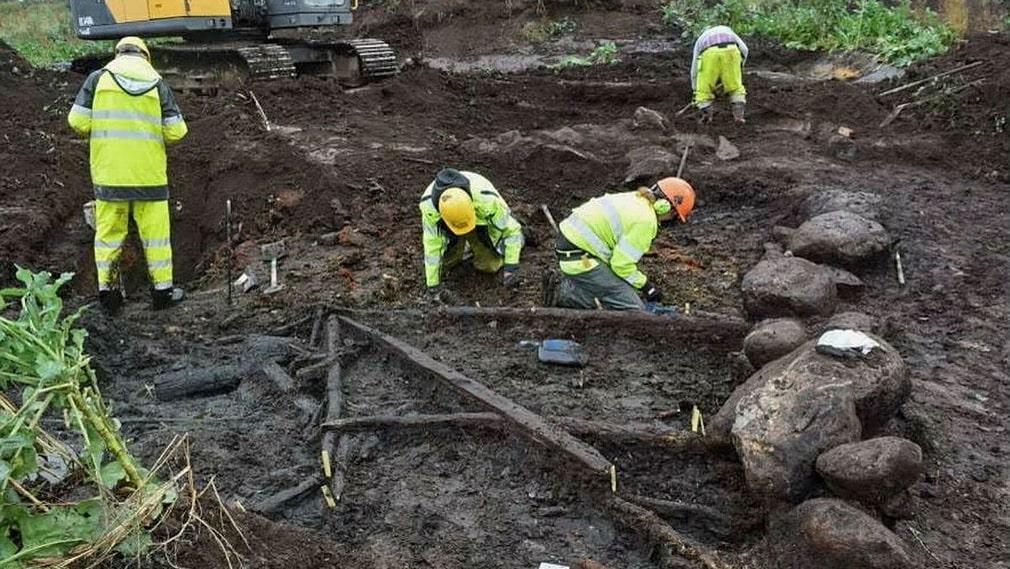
point(355, 162)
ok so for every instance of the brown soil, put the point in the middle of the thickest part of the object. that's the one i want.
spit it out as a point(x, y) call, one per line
point(355, 161)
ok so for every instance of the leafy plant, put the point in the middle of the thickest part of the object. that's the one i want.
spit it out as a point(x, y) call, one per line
point(544, 30)
point(603, 54)
point(42, 354)
point(894, 32)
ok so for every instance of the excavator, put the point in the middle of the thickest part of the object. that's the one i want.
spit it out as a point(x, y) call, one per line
point(226, 41)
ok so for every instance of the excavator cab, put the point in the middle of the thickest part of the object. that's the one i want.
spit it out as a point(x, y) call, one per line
point(233, 39)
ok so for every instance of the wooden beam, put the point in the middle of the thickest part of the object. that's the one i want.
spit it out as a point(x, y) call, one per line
point(524, 420)
point(633, 433)
point(704, 330)
point(930, 78)
point(671, 544)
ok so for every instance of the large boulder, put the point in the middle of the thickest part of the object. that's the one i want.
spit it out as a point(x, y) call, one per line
point(650, 163)
point(826, 199)
point(788, 286)
point(872, 472)
point(840, 237)
point(772, 339)
point(830, 534)
point(795, 408)
point(779, 433)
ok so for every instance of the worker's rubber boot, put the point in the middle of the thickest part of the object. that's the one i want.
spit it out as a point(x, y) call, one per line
point(162, 299)
point(738, 112)
point(550, 284)
point(111, 301)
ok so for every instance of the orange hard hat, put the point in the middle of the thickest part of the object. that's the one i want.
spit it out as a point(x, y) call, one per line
point(679, 193)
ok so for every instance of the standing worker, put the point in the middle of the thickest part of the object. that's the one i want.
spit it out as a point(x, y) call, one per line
point(129, 114)
point(601, 242)
point(460, 211)
point(717, 68)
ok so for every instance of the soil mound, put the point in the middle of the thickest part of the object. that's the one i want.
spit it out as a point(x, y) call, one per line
point(42, 176)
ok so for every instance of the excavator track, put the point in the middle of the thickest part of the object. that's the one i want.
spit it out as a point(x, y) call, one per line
point(268, 61)
point(377, 59)
point(206, 67)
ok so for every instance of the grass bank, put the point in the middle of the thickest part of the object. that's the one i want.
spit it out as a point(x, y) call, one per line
point(893, 31)
point(42, 32)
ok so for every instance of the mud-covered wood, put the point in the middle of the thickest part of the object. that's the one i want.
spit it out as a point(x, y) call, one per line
point(632, 433)
point(704, 329)
point(669, 542)
point(280, 500)
point(338, 446)
point(527, 422)
point(198, 382)
point(414, 421)
point(275, 373)
point(679, 509)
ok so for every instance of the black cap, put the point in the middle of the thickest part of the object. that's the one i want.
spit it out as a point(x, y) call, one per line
point(448, 178)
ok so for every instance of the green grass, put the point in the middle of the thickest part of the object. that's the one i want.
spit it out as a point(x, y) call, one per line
point(892, 31)
point(41, 31)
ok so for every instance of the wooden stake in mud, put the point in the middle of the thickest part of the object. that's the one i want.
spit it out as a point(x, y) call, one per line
point(527, 422)
point(231, 249)
point(550, 218)
point(683, 159)
point(263, 115)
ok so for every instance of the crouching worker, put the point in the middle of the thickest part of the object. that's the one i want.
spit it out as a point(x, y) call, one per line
point(602, 241)
point(717, 68)
point(461, 212)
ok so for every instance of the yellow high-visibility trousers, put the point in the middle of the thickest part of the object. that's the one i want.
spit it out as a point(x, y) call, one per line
point(720, 69)
point(112, 221)
point(485, 259)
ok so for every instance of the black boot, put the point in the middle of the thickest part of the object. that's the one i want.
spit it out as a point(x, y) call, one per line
point(110, 300)
point(166, 298)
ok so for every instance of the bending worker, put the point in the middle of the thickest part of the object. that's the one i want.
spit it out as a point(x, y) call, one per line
point(461, 211)
point(717, 68)
point(602, 241)
point(129, 114)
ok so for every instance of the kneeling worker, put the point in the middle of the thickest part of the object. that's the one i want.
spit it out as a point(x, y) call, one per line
point(716, 68)
point(461, 210)
point(602, 240)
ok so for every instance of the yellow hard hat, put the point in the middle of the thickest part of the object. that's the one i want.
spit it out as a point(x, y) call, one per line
point(456, 208)
point(133, 44)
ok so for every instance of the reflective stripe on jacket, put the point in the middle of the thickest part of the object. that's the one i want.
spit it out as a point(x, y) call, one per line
point(714, 35)
point(129, 114)
point(493, 215)
point(616, 229)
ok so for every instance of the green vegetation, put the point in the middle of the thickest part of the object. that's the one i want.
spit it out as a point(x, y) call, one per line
point(41, 31)
point(46, 510)
point(544, 30)
point(604, 54)
point(894, 32)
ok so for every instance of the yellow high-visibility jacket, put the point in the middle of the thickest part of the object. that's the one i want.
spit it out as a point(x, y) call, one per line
point(129, 114)
point(616, 229)
point(493, 216)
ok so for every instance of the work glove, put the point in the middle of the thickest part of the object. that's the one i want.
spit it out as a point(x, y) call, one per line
point(510, 276)
point(738, 112)
point(651, 293)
